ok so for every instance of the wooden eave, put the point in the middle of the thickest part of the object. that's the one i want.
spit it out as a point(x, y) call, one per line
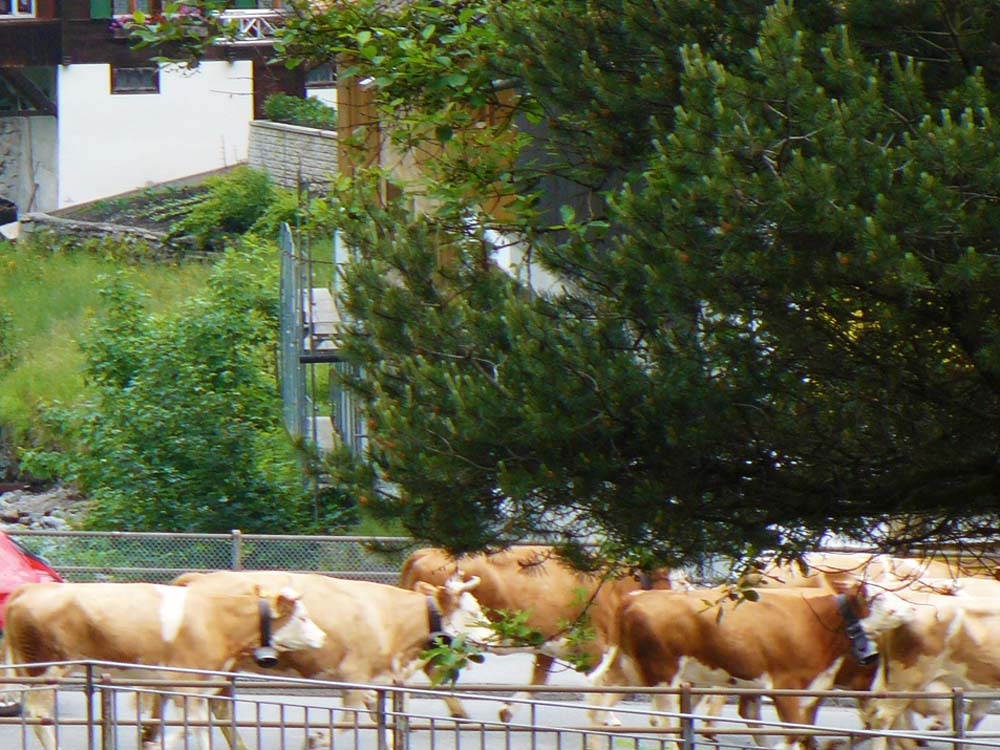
point(40, 102)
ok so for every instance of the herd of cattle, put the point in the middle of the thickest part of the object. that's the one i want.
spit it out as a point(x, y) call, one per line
point(846, 621)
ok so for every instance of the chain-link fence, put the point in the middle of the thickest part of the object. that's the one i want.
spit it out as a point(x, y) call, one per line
point(135, 556)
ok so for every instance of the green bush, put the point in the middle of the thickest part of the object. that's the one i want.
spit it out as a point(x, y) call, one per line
point(295, 110)
point(231, 206)
point(183, 429)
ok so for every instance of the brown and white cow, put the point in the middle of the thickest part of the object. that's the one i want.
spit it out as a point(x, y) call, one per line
point(824, 569)
point(552, 596)
point(950, 640)
point(795, 639)
point(903, 575)
point(375, 632)
point(143, 623)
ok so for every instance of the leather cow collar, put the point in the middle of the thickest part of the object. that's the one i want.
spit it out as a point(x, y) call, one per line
point(863, 651)
point(265, 655)
point(435, 624)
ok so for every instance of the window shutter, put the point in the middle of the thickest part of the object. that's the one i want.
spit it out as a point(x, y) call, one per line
point(100, 8)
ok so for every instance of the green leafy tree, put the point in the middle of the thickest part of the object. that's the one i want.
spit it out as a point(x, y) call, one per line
point(184, 430)
point(774, 230)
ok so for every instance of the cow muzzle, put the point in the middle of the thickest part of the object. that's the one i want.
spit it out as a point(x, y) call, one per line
point(863, 650)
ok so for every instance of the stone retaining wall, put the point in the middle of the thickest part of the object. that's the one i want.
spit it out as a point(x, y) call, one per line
point(156, 242)
point(295, 156)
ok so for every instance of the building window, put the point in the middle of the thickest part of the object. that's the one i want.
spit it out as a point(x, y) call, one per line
point(17, 7)
point(135, 80)
point(128, 7)
point(321, 76)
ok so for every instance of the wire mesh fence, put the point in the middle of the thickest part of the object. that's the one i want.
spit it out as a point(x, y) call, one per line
point(158, 558)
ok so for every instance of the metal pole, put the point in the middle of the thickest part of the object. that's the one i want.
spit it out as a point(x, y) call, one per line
point(687, 720)
point(89, 692)
point(958, 717)
point(401, 724)
point(236, 554)
point(381, 725)
point(109, 723)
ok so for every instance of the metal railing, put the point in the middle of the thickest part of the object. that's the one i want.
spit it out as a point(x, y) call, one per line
point(94, 710)
point(252, 26)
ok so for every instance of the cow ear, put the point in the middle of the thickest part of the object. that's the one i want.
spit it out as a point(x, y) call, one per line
point(185, 578)
point(847, 585)
point(470, 583)
point(425, 588)
point(284, 602)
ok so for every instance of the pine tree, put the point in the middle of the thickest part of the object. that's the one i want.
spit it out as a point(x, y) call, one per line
point(776, 232)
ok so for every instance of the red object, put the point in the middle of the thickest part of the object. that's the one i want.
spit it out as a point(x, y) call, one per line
point(17, 566)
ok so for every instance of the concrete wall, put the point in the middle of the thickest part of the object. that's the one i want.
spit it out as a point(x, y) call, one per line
point(27, 160)
point(113, 143)
point(294, 155)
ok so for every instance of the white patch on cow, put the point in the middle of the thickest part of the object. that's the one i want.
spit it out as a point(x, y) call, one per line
point(887, 612)
point(596, 675)
point(172, 601)
point(557, 648)
point(701, 675)
point(299, 631)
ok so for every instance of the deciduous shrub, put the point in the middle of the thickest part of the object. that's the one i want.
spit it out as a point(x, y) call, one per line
point(296, 110)
point(184, 432)
point(233, 203)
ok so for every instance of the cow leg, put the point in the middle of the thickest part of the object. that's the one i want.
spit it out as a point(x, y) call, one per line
point(978, 710)
point(790, 711)
point(883, 714)
point(711, 706)
point(40, 704)
point(455, 708)
point(663, 703)
point(355, 703)
point(539, 676)
point(222, 709)
point(608, 672)
point(150, 708)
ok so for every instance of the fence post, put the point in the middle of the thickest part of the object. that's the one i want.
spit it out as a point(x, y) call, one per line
point(401, 723)
point(958, 717)
point(686, 719)
point(109, 715)
point(88, 690)
point(381, 725)
point(236, 561)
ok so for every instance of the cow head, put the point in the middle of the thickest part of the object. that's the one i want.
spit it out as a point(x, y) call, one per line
point(869, 612)
point(460, 611)
point(295, 630)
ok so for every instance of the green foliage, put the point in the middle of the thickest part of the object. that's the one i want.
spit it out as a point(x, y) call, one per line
point(774, 232)
point(778, 290)
point(8, 350)
point(48, 289)
point(233, 203)
point(184, 432)
point(446, 660)
point(297, 110)
point(512, 627)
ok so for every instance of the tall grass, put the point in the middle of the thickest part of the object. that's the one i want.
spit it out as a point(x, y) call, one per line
point(46, 299)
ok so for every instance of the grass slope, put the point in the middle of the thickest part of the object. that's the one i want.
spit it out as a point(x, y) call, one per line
point(46, 299)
